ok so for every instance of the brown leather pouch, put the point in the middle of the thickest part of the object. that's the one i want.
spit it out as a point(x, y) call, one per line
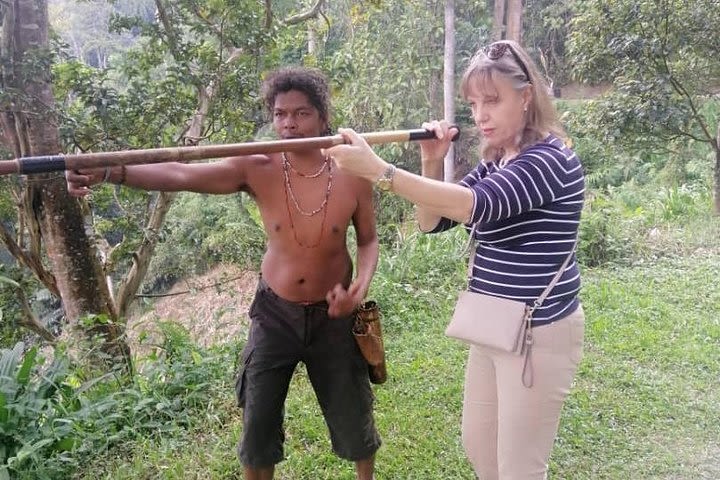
point(368, 334)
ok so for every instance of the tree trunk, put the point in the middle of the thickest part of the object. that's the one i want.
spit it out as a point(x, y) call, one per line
point(72, 255)
point(312, 47)
point(143, 255)
point(449, 83)
point(436, 110)
point(514, 20)
point(717, 171)
point(498, 30)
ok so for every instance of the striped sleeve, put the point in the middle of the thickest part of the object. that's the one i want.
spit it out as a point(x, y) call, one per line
point(536, 178)
point(469, 180)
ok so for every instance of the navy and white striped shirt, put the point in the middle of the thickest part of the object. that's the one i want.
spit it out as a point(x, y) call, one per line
point(529, 213)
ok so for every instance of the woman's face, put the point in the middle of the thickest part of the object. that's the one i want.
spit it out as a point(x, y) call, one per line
point(499, 111)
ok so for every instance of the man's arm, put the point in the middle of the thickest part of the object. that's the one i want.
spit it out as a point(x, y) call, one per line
point(367, 239)
point(343, 302)
point(225, 176)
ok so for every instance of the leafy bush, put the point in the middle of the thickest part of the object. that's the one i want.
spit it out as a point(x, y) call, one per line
point(15, 280)
point(33, 424)
point(606, 234)
point(179, 372)
point(10, 310)
point(50, 422)
point(427, 268)
point(392, 214)
point(619, 222)
point(172, 386)
point(680, 203)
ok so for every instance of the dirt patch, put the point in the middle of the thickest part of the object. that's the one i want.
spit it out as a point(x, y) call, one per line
point(213, 308)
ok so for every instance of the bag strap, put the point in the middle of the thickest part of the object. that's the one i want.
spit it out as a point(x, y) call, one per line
point(527, 371)
point(537, 303)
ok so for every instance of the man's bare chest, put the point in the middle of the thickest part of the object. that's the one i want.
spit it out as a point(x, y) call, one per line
point(308, 211)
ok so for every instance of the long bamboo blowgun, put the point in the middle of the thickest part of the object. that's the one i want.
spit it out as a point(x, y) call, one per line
point(57, 163)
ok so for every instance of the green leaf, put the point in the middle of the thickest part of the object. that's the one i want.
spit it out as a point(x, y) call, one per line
point(66, 444)
point(9, 359)
point(27, 365)
point(29, 450)
point(3, 409)
point(196, 357)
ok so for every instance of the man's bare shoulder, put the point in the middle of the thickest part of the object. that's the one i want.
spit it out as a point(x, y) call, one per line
point(250, 161)
point(253, 171)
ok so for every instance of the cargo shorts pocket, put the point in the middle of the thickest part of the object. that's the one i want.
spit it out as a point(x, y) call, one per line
point(241, 377)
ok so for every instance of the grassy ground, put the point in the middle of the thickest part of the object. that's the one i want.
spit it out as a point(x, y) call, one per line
point(645, 404)
point(647, 399)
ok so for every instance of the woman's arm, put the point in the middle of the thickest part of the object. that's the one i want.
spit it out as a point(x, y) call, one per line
point(432, 159)
point(427, 219)
point(433, 197)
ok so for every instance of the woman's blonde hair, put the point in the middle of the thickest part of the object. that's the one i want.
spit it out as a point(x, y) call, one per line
point(541, 117)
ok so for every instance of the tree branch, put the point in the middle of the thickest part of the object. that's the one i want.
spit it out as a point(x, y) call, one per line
point(142, 256)
point(28, 261)
point(9, 136)
point(30, 321)
point(31, 222)
point(193, 134)
point(677, 86)
point(218, 31)
point(301, 17)
point(698, 117)
point(681, 132)
point(268, 14)
point(129, 286)
point(172, 38)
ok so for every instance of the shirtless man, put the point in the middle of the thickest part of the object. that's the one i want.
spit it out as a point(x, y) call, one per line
point(302, 311)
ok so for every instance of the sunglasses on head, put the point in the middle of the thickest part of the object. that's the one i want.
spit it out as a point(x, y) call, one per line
point(495, 51)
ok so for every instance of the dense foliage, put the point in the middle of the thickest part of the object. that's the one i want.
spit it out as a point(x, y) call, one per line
point(52, 419)
point(662, 60)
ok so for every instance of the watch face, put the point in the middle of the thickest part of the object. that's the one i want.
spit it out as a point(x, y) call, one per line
point(385, 182)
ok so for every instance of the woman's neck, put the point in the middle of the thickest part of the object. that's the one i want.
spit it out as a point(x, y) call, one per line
point(507, 155)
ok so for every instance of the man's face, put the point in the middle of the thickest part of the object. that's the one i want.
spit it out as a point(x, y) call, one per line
point(295, 117)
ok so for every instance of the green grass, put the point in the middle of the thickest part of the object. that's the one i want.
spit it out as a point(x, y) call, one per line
point(645, 404)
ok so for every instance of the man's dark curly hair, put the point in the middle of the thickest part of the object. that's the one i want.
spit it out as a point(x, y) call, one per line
point(309, 81)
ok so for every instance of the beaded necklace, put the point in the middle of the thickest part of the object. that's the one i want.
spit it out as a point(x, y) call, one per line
point(301, 174)
point(290, 195)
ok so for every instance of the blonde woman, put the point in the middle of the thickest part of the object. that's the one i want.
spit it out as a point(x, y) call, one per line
point(524, 200)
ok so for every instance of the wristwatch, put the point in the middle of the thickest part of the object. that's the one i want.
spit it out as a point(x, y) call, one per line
point(384, 183)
